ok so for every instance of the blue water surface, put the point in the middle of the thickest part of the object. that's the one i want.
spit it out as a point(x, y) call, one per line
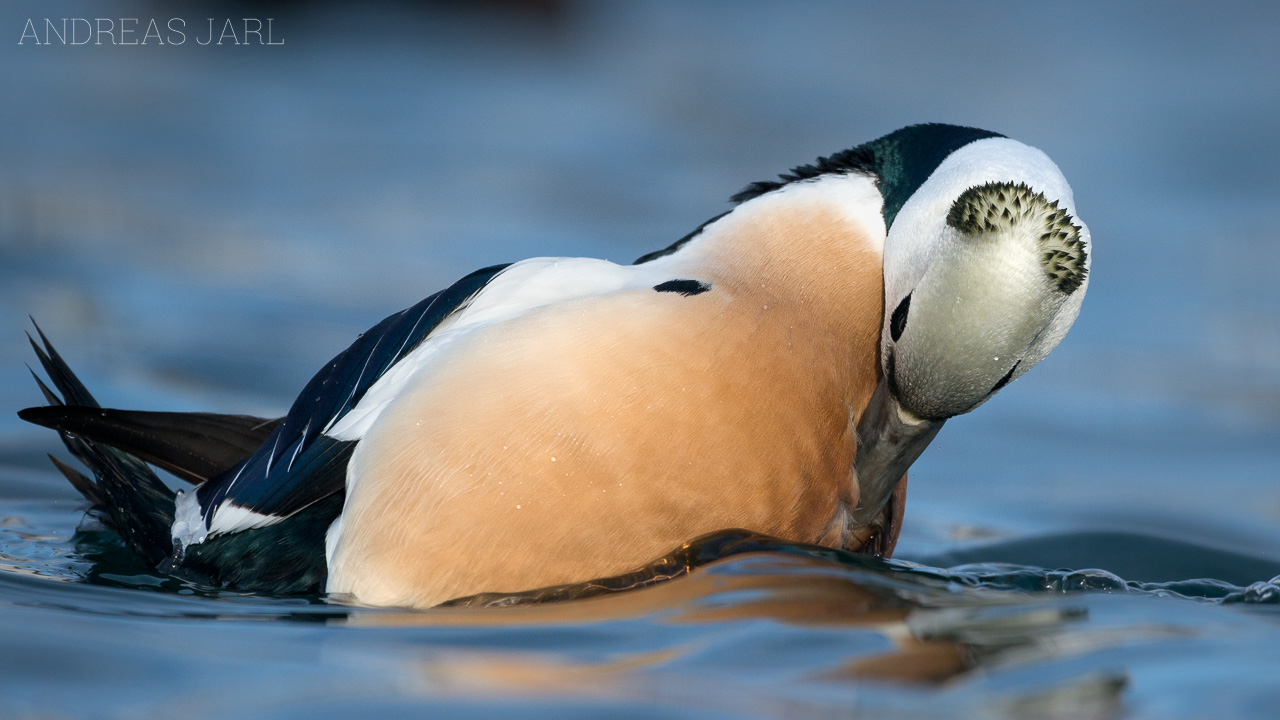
point(201, 227)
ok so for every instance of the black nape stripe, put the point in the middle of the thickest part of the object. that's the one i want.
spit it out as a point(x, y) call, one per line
point(898, 322)
point(674, 247)
point(857, 159)
point(684, 287)
point(1005, 380)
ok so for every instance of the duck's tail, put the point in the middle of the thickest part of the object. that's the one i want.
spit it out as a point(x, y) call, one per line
point(126, 494)
point(116, 445)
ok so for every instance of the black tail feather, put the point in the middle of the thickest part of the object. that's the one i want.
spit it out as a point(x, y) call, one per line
point(193, 446)
point(49, 396)
point(125, 493)
point(136, 505)
point(73, 391)
point(77, 479)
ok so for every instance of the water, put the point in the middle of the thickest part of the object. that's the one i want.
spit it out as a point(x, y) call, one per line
point(200, 228)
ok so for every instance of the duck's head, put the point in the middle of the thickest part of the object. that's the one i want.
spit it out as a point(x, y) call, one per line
point(985, 265)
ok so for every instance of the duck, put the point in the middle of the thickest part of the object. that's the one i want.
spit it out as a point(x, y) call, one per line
point(546, 422)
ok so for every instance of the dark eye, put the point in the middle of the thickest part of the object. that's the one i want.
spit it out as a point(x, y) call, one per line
point(1005, 380)
point(898, 321)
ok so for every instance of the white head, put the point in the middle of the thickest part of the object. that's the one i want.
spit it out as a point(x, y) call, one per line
point(985, 267)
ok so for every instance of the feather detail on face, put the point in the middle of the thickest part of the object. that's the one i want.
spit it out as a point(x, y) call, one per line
point(992, 208)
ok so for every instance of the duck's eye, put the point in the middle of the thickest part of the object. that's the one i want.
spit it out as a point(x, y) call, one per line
point(898, 321)
point(1005, 380)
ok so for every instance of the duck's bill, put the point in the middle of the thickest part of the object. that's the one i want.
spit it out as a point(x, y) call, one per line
point(889, 440)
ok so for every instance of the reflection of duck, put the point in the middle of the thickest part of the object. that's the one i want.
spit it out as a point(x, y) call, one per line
point(560, 419)
point(894, 625)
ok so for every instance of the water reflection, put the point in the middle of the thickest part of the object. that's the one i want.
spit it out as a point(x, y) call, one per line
point(863, 621)
point(880, 624)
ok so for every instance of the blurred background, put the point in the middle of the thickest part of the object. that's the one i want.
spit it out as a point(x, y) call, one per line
point(202, 227)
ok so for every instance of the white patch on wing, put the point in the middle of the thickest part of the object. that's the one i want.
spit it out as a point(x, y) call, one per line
point(521, 288)
point(230, 517)
point(188, 520)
